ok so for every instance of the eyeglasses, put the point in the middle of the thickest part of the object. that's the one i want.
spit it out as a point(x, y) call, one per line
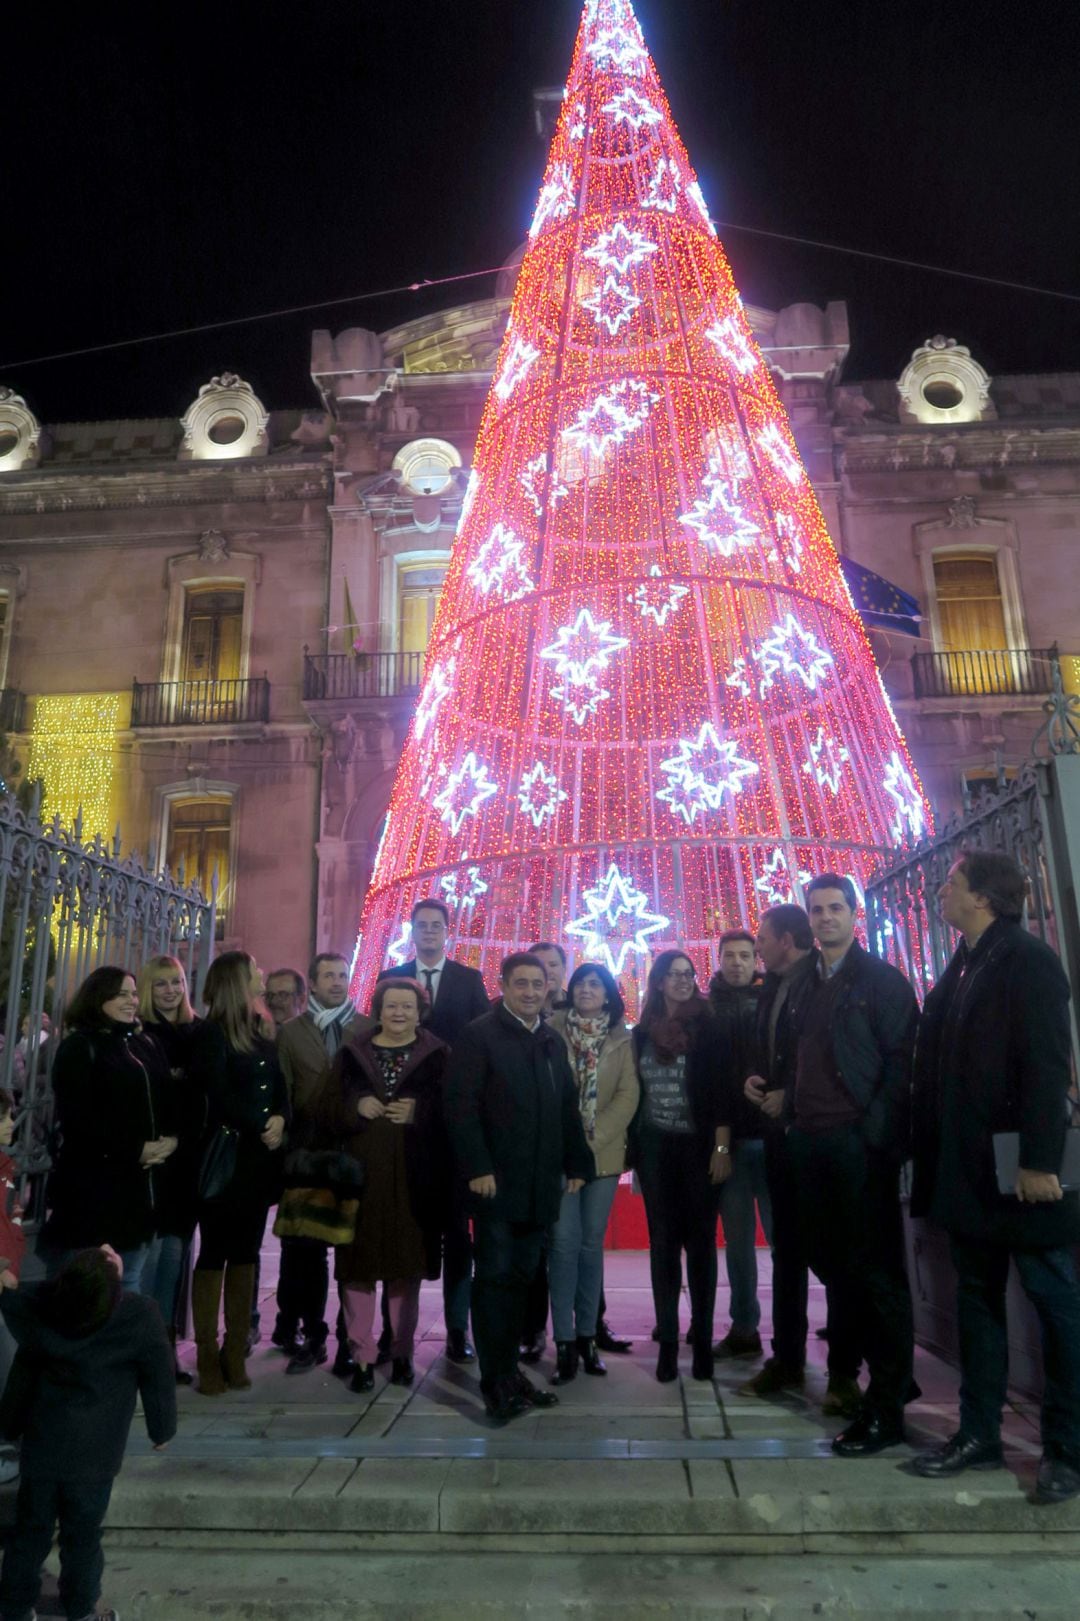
point(685, 976)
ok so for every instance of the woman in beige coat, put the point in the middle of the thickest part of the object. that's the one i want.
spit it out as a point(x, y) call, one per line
point(602, 1059)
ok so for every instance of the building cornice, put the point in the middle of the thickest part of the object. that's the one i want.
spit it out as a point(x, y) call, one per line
point(98, 489)
point(949, 449)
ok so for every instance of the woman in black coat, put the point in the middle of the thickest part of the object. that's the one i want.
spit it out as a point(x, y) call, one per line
point(168, 1017)
point(679, 1145)
point(247, 1101)
point(117, 1128)
point(384, 1106)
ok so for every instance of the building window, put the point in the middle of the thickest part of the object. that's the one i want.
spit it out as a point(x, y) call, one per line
point(199, 834)
point(213, 634)
point(973, 638)
point(419, 590)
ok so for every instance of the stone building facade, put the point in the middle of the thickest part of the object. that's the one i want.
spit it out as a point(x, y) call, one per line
point(212, 626)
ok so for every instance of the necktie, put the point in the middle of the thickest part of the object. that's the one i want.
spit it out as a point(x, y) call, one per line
point(429, 975)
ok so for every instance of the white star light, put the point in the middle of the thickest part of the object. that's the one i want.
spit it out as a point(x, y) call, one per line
point(613, 304)
point(620, 250)
point(472, 485)
point(519, 362)
point(791, 540)
point(468, 896)
point(500, 566)
point(584, 648)
point(465, 792)
point(617, 921)
point(531, 482)
point(718, 519)
point(739, 678)
point(732, 343)
point(399, 951)
point(780, 453)
point(775, 883)
point(703, 771)
point(697, 197)
point(790, 650)
point(628, 107)
point(556, 199)
point(900, 786)
point(617, 51)
point(611, 418)
point(539, 794)
point(577, 128)
point(826, 761)
point(436, 690)
point(580, 697)
point(664, 187)
point(658, 601)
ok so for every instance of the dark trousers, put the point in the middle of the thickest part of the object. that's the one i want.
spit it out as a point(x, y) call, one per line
point(681, 1208)
point(506, 1257)
point(457, 1273)
point(303, 1290)
point(849, 1203)
point(80, 1507)
point(790, 1267)
point(230, 1231)
point(1050, 1282)
point(538, 1300)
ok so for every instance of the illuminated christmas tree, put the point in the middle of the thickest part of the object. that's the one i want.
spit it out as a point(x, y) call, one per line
point(649, 707)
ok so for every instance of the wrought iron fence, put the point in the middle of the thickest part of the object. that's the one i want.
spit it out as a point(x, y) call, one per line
point(1021, 671)
point(362, 675)
point(200, 703)
point(68, 905)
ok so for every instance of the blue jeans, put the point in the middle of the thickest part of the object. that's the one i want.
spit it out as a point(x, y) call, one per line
point(576, 1259)
point(161, 1274)
point(1050, 1282)
point(745, 1188)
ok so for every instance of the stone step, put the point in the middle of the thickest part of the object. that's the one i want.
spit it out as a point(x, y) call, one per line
point(778, 1505)
point(286, 1586)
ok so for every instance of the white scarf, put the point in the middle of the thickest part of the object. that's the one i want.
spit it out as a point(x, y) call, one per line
point(329, 1020)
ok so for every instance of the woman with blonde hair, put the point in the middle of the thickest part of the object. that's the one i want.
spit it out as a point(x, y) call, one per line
point(166, 1014)
point(247, 1108)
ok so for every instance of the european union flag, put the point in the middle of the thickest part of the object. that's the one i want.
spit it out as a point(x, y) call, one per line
point(880, 602)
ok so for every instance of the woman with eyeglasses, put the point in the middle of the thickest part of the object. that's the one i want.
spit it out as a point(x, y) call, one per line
point(680, 1146)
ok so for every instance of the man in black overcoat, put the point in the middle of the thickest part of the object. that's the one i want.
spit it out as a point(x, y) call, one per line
point(457, 996)
point(994, 1056)
point(515, 1131)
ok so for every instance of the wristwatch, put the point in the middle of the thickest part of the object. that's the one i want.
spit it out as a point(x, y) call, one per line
point(721, 1148)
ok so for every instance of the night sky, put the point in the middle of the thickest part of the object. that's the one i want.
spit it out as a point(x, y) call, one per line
point(171, 166)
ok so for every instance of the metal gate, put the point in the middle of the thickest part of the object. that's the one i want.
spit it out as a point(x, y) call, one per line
point(68, 906)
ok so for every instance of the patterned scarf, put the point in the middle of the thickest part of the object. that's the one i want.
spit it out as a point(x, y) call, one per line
point(328, 1022)
point(586, 1037)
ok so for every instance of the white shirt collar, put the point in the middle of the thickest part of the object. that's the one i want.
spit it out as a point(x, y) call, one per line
point(436, 968)
point(529, 1027)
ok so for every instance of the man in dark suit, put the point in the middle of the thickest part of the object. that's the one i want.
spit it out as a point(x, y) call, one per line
point(306, 1048)
point(458, 997)
point(847, 1143)
point(515, 1128)
point(994, 1056)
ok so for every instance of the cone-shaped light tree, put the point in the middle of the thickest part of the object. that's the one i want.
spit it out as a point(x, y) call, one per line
point(649, 707)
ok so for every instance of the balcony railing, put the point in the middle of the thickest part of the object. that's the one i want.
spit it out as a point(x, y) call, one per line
point(12, 704)
point(364, 675)
point(1019, 671)
point(200, 703)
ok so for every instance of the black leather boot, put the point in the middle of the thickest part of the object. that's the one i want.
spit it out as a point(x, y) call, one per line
point(566, 1362)
point(590, 1358)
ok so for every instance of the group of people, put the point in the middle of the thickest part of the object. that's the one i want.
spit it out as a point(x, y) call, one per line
point(486, 1141)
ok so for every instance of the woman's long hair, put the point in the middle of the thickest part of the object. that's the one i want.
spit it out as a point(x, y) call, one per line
point(231, 1002)
point(185, 1014)
point(84, 1010)
point(670, 1033)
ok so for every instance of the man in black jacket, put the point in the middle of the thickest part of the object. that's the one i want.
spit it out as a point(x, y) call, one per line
point(847, 1142)
point(515, 1130)
point(458, 996)
point(994, 1056)
point(734, 992)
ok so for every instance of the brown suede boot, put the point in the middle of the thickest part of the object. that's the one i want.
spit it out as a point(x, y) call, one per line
point(239, 1289)
point(205, 1305)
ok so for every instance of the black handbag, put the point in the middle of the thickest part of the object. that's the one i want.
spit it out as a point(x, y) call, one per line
point(218, 1164)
